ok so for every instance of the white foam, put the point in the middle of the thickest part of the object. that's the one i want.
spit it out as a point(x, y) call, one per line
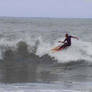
point(38, 88)
point(80, 50)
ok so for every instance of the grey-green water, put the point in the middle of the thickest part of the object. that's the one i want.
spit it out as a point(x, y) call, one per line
point(27, 64)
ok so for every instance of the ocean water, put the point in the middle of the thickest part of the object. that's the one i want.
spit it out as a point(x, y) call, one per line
point(27, 63)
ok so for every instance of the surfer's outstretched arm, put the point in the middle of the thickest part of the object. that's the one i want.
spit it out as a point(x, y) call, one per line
point(75, 37)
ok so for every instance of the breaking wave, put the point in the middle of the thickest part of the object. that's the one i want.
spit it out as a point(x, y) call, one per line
point(79, 51)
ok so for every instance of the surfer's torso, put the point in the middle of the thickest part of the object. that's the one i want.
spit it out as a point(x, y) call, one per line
point(68, 40)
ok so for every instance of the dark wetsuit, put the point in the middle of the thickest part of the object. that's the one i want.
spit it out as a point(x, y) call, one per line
point(67, 42)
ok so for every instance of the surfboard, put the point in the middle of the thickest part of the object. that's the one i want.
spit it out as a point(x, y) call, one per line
point(57, 49)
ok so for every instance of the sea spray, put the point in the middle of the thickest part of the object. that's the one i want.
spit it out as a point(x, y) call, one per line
point(79, 50)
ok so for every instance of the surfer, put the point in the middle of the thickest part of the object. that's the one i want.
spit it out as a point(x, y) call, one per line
point(67, 41)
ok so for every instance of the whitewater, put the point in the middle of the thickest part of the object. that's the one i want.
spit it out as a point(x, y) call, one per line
point(25, 51)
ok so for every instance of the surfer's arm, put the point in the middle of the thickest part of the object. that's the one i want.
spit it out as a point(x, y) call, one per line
point(62, 41)
point(75, 37)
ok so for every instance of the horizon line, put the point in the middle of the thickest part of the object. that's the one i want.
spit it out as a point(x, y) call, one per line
point(46, 17)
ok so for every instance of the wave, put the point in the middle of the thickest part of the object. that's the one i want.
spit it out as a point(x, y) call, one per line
point(79, 50)
point(38, 48)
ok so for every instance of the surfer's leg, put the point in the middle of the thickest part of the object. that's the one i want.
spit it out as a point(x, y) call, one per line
point(63, 46)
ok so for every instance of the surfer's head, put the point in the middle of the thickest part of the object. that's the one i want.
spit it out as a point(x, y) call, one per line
point(66, 35)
